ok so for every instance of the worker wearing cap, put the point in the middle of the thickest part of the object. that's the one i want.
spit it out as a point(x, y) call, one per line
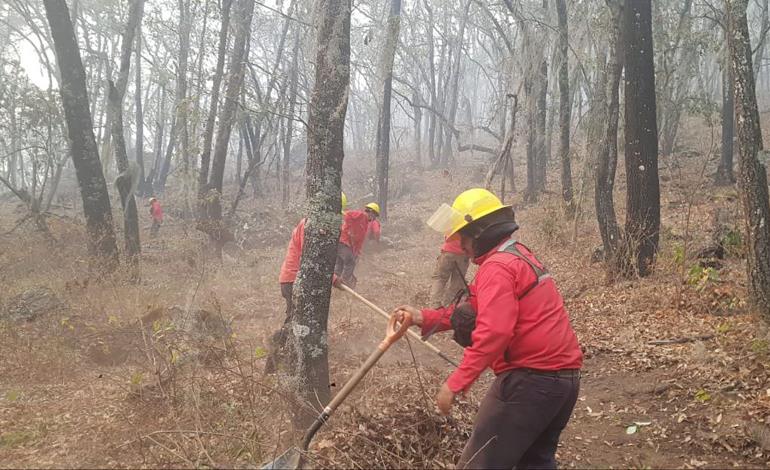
point(355, 225)
point(520, 329)
point(375, 229)
point(156, 212)
point(449, 274)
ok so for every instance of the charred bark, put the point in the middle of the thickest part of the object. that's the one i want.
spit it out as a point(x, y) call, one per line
point(85, 156)
point(642, 229)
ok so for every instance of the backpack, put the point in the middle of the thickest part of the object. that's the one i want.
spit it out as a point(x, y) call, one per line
point(463, 317)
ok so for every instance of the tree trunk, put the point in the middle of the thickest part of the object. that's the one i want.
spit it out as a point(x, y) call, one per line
point(642, 228)
point(242, 32)
point(125, 183)
point(312, 289)
point(208, 133)
point(607, 158)
point(383, 121)
point(85, 156)
point(289, 128)
point(752, 175)
point(160, 120)
point(127, 179)
point(455, 86)
point(139, 146)
point(760, 49)
point(565, 108)
point(179, 118)
point(540, 156)
point(417, 130)
point(725, 175)
point(432, 76)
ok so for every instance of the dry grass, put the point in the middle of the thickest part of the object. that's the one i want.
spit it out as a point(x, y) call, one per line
point(97, 387)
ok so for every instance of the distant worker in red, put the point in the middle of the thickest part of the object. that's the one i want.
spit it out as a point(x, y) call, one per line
point(156, 212)
point(375, 229)
point(355, 226)
point(515, 323)
point(449, 274)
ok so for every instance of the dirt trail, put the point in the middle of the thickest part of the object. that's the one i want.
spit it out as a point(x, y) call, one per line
point(689, 402)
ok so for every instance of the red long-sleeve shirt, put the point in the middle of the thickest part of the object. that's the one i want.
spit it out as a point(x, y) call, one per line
point(535, 331)
point(156, 211)
point(353, 232)
point(374, 230)
point(290, 265)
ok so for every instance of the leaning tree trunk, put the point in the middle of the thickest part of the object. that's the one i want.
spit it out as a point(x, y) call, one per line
point(214, 224)
point(312, 289)
point(125, 183)
point(383, 121)
point(179, 120)
point(85, 156)
point(208, 133)
point(642, 228)
point(725, 175)
point(565, 108)
point(453, 97)
point(128, 177)
point(752, 175)
point(607, 159)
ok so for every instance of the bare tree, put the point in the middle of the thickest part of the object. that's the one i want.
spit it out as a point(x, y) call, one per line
point(85, 156)
point(642, 228)
point(724, 175)
point(383, 121)
point(214, 224)
point(565, 107)
point(177, 142)
point(607, 159)
point(752, 175)
point(127, 180)
point(208, 133)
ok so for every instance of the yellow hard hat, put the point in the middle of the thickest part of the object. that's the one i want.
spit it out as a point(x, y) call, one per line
point(468, 207)
point(374, 207)
point(344, 201)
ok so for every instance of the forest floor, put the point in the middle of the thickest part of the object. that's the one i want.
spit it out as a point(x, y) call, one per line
point(89, 385)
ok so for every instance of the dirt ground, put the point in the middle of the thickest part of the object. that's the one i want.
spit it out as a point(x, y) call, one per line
point(110, 380)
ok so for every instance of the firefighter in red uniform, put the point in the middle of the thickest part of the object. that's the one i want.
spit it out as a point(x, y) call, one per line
point(514, 321)
point(375, 229)
point(355, 225)
point(286, 278)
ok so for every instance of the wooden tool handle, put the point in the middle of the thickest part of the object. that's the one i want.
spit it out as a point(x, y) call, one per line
point(384, 314)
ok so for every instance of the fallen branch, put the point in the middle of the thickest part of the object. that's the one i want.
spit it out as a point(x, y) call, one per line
point(663, 342)
point(476, 147)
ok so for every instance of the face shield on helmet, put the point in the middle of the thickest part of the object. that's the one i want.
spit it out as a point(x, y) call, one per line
point(445, 219)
